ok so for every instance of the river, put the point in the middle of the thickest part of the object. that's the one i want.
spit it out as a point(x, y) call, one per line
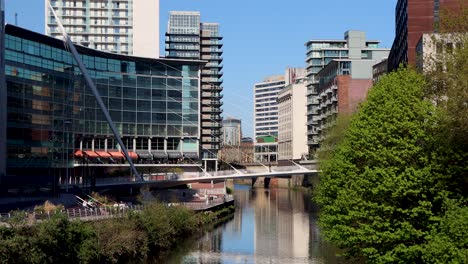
point(269, 226)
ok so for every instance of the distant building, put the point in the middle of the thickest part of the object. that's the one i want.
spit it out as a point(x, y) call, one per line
point(292, 119)
point(232, 132)
point(247, 150)
point(125, 27)
point(432, 47)
point(319, 54)
point(266, 118)
point(188, 38)
point(266, 149)
point(413, 18)
point(379, 69)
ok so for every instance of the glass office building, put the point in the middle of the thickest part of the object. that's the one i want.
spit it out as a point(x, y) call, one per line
point(54, 120)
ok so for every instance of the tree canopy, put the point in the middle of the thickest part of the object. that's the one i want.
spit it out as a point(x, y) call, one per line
point(382, 190)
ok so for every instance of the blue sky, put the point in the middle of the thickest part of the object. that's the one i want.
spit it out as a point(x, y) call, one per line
point(261, 37)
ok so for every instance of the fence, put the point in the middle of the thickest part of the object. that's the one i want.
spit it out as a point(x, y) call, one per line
point(101, 213)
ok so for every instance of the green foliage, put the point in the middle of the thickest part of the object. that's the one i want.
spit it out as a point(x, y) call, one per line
point(120, 241)
point(377, 189)
point(448, 241)
point(334, 136)
point(135, 237)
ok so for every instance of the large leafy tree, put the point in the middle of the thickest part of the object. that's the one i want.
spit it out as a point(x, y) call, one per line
point(378, 193)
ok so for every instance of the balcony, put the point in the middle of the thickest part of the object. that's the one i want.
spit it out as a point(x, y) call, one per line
point(211, 124)
point(211, 95)
point(210, 140)
point(214, 110)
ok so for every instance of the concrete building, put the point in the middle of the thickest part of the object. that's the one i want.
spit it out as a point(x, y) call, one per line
point(188, 38)
point(412, 19)
point(319, 54)
point(432, 47)
point(292, 121)
point(343, 84)
point(232, 132)
point(125, 26)
point(379, 69)
point(266, 118)
point(55, 127)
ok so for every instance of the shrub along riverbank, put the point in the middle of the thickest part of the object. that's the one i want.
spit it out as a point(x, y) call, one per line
point(134, 238)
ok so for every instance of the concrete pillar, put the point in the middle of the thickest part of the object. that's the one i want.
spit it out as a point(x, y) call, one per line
point(105, 144)
point(92, 144)
point(149, 144)
point(134, 145)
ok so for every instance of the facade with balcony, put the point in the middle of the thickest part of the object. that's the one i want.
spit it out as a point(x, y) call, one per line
point(188, 38)
point(322, 52)
point(125, 26)
point(342, 85)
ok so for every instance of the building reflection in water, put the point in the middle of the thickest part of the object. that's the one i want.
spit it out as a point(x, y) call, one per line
point(269, 226)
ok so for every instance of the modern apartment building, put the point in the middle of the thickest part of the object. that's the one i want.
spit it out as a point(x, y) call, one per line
point(266, 118)
point(55, 126)
point(320, 53)
point(120, 26)
point(188, 38)
point(343, 84)
point(412, 19)
point(292, 121)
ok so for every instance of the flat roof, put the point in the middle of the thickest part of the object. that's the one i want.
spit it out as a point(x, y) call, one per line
point(57, 43)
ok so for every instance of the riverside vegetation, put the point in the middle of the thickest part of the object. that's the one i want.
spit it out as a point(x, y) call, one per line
point(149, 234)
point(394, 181)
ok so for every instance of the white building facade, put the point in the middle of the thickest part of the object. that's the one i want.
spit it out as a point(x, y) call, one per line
point(292, 121)
point(128, 27)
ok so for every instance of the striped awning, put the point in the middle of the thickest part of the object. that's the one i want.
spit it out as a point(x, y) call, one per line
point(159, 154)
point(116, 154)
point(133, 155)
point(91, 154)
point(103, 154)
point(144, 154)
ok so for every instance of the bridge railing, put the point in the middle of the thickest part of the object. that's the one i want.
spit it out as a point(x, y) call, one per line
point(285, 168)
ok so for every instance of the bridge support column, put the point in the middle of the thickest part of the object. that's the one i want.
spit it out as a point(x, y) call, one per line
point(254, 180)
point(266, 182)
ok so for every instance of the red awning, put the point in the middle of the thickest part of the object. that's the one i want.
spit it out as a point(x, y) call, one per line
point(133, 155)
point(116, 154)
point(91, 154)
point(103, 154)
point(79, 153)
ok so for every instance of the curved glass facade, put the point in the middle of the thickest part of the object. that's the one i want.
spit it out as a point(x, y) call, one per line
point(52, 114)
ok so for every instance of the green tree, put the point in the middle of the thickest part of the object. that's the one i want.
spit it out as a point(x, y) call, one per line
point(377, 190)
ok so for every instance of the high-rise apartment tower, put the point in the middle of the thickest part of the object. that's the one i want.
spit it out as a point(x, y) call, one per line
point(124, 26)
point(189, 38)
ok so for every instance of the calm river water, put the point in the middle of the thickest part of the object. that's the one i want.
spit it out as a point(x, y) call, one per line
point(269, 226)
